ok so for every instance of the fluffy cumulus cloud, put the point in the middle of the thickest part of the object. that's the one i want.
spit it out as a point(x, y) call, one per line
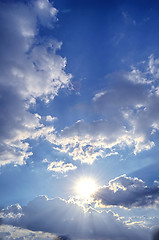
point(66, 218)
point(127, 192)
point(61, 166)
point(30, 69)
point(129, 107)
point(49, 118)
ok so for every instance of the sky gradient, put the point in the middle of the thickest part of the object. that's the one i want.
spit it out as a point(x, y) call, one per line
point(79, 97)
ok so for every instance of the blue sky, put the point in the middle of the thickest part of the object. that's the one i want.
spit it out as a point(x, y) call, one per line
point(79, 97)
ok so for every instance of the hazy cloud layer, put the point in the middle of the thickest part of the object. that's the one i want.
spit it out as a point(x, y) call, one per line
point(129, 107)
point(9, 232)
point(127, 192)
point(30, 69)
point(61, 217)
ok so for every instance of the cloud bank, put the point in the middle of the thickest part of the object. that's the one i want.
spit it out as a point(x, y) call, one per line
point(66, 218)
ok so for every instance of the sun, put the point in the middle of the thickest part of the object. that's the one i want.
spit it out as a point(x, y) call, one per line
point(85, 187)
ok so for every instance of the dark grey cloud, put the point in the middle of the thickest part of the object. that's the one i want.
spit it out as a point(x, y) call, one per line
point(155, 235)
point(67, 218)
point(127, 192)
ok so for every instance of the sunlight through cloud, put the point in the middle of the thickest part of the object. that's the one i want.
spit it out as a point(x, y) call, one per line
point(85, 187)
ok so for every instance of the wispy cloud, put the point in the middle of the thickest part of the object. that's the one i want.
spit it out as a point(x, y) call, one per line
point(61, 166)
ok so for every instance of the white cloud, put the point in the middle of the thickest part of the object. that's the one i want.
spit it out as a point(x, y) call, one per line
point(153, 66)
point(88, 141)
point(30, 69)
point(98, 95)
point(45, 160)
point(45, 12)
point(50, 118)
point(61, 166)
point(62, 217)
point(130, 116)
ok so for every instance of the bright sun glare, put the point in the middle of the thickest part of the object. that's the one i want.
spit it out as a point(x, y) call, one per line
point(85, 187)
